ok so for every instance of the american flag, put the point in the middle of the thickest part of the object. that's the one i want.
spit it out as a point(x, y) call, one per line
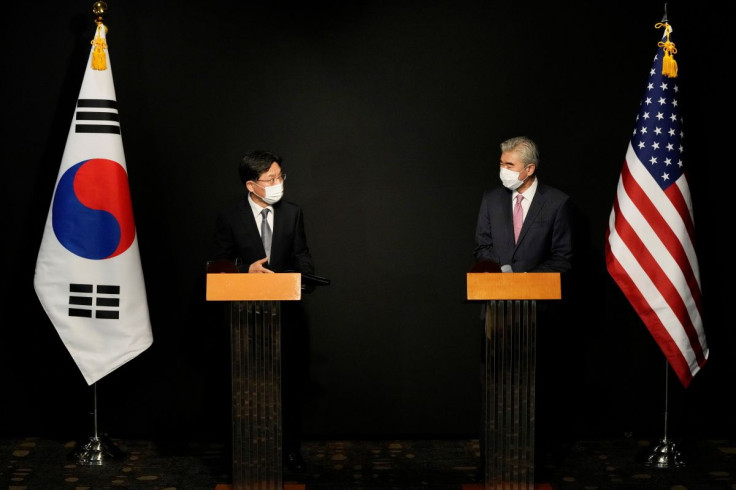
point(650, 250)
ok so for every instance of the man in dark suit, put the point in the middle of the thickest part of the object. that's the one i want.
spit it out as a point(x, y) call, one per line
point(525, 226)
point(239, 236)
point(544, 242)
point(239, 228)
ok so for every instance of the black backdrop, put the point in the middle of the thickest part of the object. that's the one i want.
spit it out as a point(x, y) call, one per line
point(388, 116)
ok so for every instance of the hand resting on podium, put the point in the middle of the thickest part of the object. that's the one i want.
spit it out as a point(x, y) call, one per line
point(309, 281)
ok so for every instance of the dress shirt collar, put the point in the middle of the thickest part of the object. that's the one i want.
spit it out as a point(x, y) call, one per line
point(257, 209)
point(528, 194)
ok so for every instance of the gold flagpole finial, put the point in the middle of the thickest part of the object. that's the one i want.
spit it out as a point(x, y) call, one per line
point(99, 58)
point(99, 9)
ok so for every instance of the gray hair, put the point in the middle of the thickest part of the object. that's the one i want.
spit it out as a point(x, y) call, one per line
point(525, 147)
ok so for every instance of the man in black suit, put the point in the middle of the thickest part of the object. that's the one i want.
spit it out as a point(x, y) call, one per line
point(544, 242)
point(239, 228)
point(238, 237)
point(538, 239)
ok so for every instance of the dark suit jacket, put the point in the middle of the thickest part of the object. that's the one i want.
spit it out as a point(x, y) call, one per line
point(545, 241)
point(237, 236)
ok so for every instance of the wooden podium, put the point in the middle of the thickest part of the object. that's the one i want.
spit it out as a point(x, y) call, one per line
point(255, 329)
point(509, 372)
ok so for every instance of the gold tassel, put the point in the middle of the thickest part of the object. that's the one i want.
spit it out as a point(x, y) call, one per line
point(99, 59)
point(669, 65)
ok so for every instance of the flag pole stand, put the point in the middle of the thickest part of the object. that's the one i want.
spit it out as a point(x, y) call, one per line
point(665, 454)
point(98, 449)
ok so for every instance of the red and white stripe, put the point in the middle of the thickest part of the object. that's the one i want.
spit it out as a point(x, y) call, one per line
point(651, 256)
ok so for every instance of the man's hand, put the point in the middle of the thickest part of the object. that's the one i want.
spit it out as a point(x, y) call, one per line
point(257, 267)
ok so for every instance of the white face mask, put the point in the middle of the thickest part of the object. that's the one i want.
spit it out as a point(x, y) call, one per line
point(274, 193)
point(510, 179)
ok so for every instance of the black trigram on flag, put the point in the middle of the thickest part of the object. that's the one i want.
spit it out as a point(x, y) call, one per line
point(97, 116)
point(104, 302)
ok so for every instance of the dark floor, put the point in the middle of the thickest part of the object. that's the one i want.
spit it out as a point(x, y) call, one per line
point(33, 463)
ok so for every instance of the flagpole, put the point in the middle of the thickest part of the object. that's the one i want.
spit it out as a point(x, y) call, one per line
point(98, 449)
point(94, 411)
point(88, 280)
point(665, 454)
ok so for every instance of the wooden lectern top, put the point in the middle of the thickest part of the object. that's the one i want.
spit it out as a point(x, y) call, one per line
point(514, 285)
point(254, 287)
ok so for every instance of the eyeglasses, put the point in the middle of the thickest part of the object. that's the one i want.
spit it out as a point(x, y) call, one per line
point(273, 180)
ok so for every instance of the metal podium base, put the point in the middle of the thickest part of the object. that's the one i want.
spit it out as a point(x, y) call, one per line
point(509, 404)
point(96, 452)
point(665, 455)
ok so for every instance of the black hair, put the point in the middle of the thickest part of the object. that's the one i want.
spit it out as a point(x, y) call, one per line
point(255, 163)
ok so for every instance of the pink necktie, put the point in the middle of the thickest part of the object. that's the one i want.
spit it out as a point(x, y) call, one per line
point(518, 217)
